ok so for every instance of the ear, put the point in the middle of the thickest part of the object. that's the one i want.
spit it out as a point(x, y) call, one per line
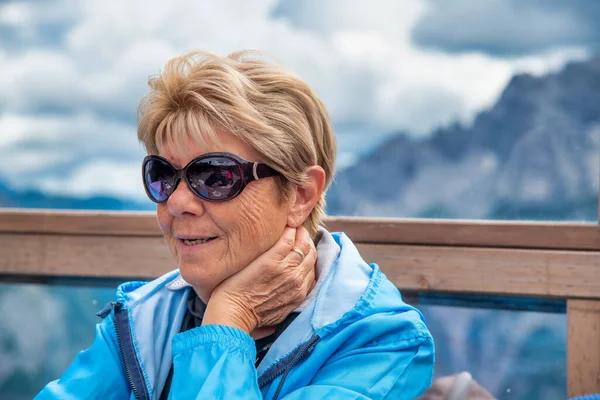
point(305, 197)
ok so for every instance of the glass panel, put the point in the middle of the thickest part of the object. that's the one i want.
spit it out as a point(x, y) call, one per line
point(513, 354)
point(43, 327)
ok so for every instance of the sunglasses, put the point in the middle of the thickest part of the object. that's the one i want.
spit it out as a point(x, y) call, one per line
point(212, 176)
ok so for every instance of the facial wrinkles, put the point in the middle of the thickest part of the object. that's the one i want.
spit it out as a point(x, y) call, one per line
point(246, 217)
point(252, 223)
point(250, 218)
point(222, 255)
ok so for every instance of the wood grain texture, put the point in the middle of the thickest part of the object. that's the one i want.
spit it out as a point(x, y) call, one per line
point(565, 274)
point(534, 235)
point(84, 256)
point(583, 347)
point(489, 271)
point(484, 233)
point(110, 223)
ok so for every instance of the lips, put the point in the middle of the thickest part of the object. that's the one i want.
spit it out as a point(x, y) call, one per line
point(192, 242)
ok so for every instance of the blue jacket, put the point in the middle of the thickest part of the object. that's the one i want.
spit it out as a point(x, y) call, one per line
point(354, 339)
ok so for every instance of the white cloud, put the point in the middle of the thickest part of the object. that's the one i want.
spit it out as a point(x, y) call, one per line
point(60, 155)
point(357, 55)
point(121, 179)
point(15, 14)
point(39, 77)
point(507, 27)
point(84, 133)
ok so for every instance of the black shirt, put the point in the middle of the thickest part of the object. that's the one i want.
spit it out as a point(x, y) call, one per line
point(193, 318)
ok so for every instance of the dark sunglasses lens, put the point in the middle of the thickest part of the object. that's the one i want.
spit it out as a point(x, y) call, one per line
point(159, 179)
point(215, 178)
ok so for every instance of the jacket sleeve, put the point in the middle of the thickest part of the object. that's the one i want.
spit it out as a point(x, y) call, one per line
point(223, 356)
point(95, 373)
point(398, 369)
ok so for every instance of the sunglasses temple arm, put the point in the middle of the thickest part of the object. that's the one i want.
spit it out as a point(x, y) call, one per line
point(260, 170)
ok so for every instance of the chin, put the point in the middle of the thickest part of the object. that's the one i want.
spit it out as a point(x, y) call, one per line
point(202, 279)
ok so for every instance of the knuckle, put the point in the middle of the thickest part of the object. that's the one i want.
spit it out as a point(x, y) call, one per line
point(278, 257)
point(293, 278)
point(306, 246)
point(299, 282)
point(288, 242)
point(294, 262)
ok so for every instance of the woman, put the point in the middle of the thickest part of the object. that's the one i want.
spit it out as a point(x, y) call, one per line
point(265, 303)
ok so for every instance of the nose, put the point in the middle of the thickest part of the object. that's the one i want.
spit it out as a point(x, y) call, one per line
point(184, 202)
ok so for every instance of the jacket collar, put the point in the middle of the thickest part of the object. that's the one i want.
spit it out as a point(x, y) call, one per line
point(343, 279)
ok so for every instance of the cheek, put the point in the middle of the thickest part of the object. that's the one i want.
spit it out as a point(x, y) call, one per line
point(164, 218)
point(258, 219)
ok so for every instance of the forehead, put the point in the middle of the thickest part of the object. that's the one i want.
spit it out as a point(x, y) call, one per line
point(181, 152)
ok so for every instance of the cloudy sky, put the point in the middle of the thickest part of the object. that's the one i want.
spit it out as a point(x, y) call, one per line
point(72, 72)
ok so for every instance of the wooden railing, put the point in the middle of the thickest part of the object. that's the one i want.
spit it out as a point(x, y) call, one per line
point(557, 260)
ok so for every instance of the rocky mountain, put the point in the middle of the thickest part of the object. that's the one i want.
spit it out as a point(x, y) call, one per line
point(534, 155)
point(37, 199)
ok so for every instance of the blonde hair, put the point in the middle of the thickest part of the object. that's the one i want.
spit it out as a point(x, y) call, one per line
point(273, 111)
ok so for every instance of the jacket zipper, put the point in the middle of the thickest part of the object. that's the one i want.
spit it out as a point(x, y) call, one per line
point(301, 353)
point(121, 319)
point(126, 348)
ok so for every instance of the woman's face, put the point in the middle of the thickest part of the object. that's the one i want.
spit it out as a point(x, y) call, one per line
point(241, 229)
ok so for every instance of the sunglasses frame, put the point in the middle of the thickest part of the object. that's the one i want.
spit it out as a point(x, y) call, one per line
point(251, 171)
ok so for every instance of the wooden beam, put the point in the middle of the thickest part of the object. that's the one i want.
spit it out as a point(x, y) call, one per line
point(484, 233)
point(583, 347)
point(70, 222)
point(551, 273)
point(84, 256)
point(534, 235)
point(563, 274)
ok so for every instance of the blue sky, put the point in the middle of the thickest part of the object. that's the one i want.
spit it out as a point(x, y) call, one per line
point(72, 72)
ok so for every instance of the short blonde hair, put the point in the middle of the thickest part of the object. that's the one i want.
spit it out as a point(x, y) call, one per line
point(273, 111)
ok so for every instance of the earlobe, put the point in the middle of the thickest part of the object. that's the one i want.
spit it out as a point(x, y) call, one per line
point(295, 216)
point(305, 197)
point(294, 221)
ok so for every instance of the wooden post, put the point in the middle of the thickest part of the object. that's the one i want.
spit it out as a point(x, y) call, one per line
point(583, 347)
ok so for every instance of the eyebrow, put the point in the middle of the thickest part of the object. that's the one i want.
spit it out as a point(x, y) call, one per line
point(170, 160)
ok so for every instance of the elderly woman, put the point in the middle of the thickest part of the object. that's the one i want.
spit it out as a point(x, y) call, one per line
point(265, 303)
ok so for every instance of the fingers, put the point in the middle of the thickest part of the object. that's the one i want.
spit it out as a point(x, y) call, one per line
point(303, 267)
point(285, 244)
point(302, 244)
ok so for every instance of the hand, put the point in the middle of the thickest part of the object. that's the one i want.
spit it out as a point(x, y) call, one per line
point(265, 292)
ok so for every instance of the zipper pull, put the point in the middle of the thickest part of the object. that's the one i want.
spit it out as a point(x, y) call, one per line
point(106, 310)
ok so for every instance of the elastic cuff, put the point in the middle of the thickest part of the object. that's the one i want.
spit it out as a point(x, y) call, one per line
point(233, 338)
